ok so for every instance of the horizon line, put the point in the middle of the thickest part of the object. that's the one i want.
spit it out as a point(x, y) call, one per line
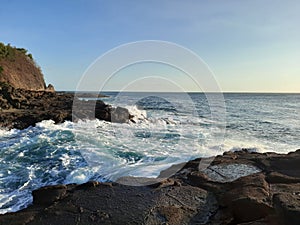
point(203, 92)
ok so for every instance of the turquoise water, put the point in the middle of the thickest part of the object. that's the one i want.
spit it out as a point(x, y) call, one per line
point(167, 129)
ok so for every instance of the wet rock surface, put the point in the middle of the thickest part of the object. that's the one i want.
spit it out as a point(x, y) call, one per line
point(21, 108)
point(266, 192)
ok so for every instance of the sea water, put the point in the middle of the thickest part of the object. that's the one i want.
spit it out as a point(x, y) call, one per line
point(166, 129)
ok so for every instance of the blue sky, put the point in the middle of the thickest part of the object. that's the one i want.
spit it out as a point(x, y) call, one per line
point(250, 45)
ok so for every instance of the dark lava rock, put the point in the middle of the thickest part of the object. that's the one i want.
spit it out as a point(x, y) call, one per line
point(120, 115)
point(23, 108)
point(288, 206)
point(255, 193)
point(49, 194)
point(248, 198)
point(100, 203)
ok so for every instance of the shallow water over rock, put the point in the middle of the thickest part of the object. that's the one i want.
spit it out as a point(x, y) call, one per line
point(229, 172)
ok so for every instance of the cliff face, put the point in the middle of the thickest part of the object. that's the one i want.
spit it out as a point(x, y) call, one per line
point(18, 68)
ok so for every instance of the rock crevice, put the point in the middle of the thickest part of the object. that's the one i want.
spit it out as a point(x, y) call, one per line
point(190, 196)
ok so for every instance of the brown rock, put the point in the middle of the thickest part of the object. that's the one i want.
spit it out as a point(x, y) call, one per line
point(20, 70)
point(249, 209)
point(248, 198)
point(275, 177)
point(288, 205)
point(189, 197)
point(22, 108)
point(48, 195)
point(50, 88)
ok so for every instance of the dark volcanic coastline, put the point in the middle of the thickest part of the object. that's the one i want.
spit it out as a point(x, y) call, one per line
point(237, 188)
point(23, 108)
point(26, 100)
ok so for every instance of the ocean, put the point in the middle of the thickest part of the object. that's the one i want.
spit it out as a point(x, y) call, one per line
point(167, 128)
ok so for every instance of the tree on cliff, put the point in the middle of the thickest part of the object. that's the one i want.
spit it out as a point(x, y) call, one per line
point(18, 68)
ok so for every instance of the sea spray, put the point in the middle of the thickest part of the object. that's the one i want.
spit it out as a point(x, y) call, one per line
point(70, 152)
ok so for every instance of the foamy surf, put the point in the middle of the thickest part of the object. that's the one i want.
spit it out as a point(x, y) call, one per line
point(70, 152)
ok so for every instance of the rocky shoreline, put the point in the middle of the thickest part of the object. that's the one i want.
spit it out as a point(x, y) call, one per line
point(21, 108)
point(237, 188)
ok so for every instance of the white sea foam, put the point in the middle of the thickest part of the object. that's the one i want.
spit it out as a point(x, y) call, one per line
point(5, 132)
point(109, 151)
point(80, 175)
point(137, 114)
point(70, 152)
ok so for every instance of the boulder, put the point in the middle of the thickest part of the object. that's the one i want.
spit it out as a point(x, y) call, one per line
point(22, 108)
point(50, 88)
point(120, 115)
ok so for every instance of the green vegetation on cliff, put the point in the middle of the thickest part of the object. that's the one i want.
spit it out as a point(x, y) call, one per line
point(9, 52)
point(18, 68)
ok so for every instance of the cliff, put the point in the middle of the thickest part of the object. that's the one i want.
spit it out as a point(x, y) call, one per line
point(18, 69)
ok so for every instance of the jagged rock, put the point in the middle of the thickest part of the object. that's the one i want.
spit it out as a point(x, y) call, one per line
point(22, 108)
point(50, 87)
point(189, 196)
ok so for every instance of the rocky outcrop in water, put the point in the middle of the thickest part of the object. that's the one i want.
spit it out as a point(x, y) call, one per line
point(237, 188)
point(21, 108)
